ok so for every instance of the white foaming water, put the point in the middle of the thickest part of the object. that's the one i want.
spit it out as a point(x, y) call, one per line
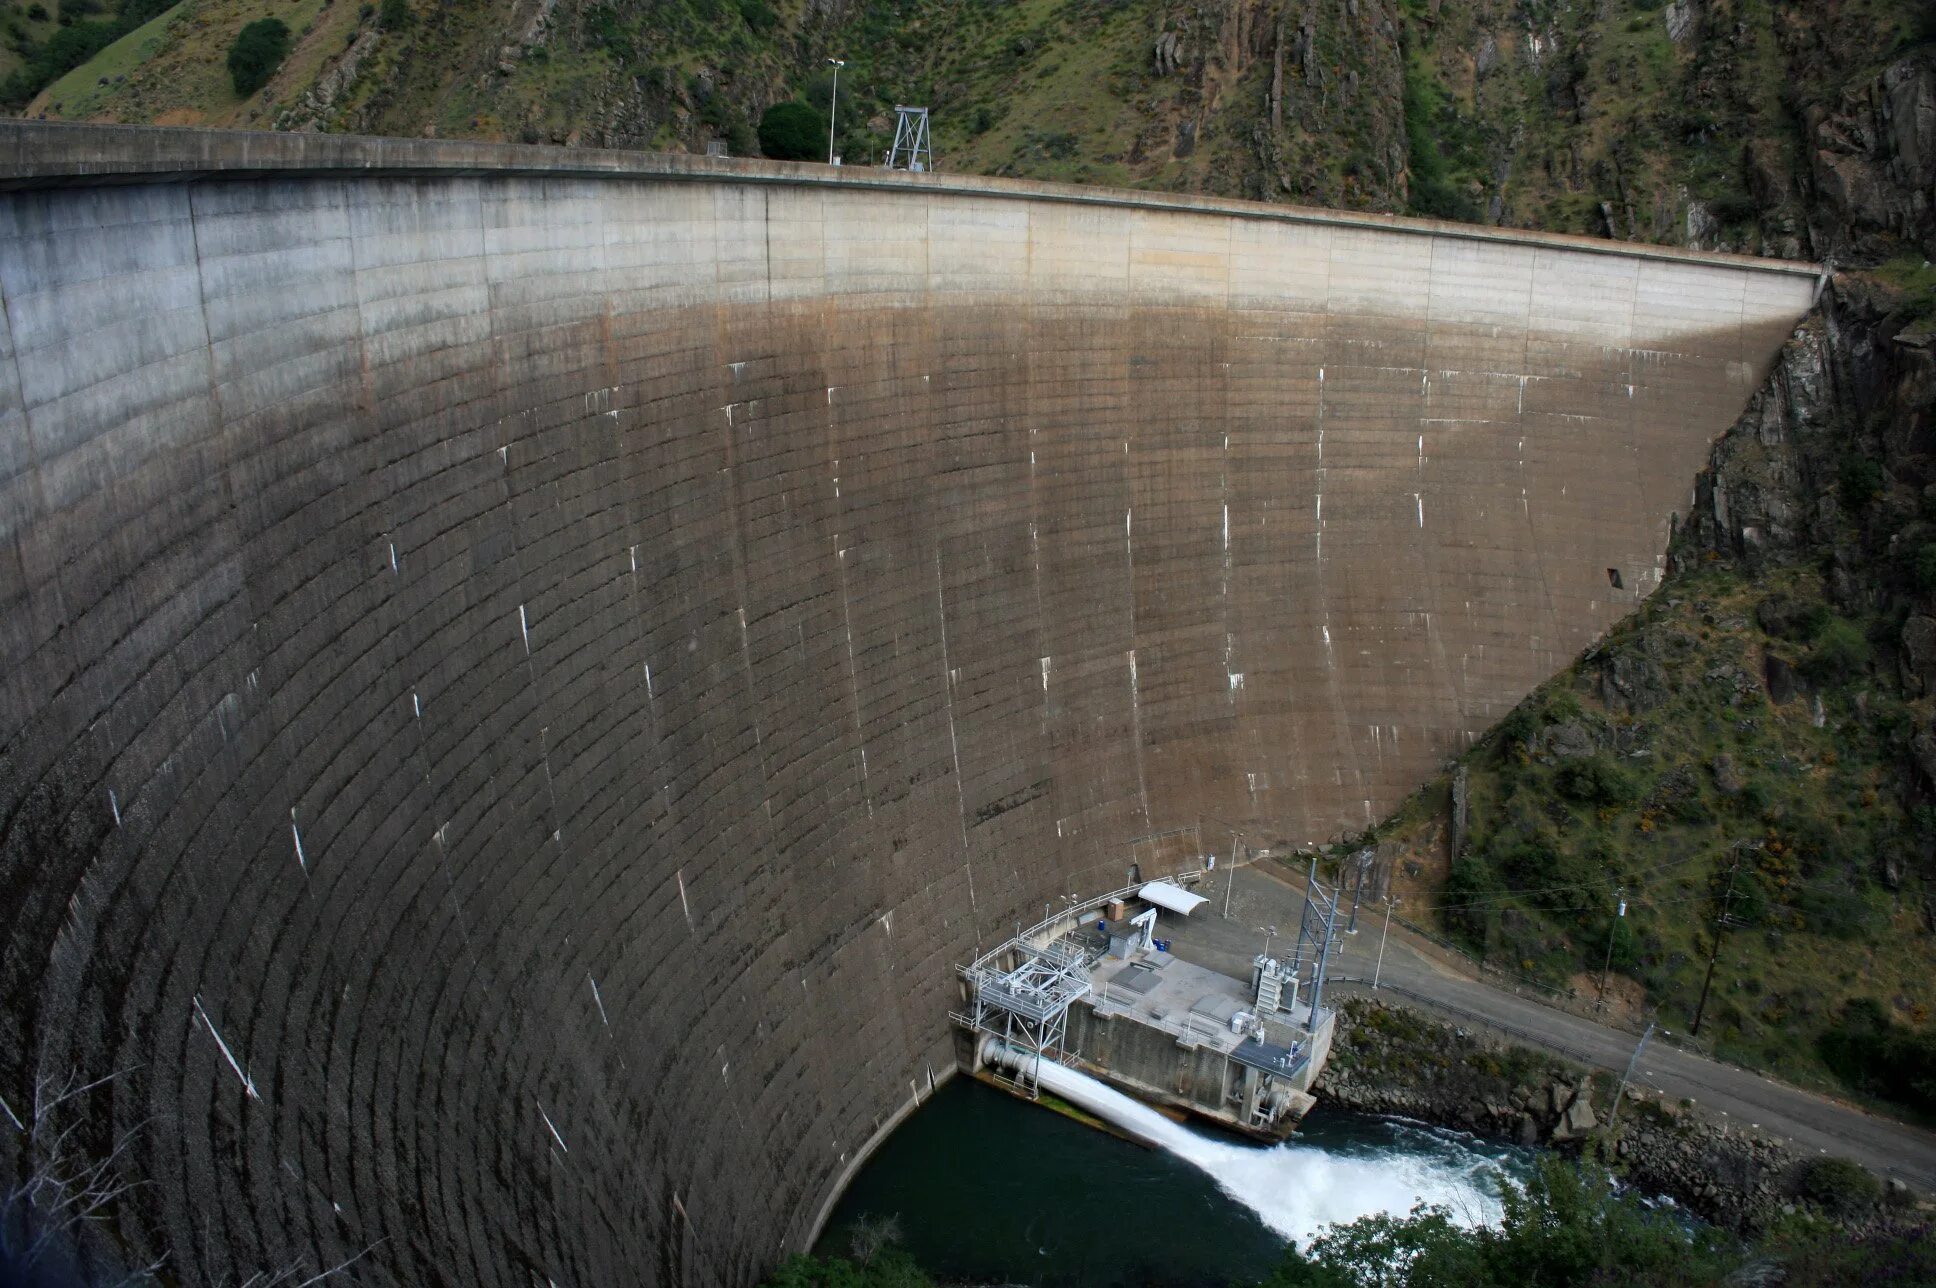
point(1296, 1190)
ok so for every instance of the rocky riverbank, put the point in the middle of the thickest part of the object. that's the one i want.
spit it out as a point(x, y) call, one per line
point(1396, 1060)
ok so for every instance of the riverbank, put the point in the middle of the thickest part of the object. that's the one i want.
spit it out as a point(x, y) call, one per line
point(1393, 1059)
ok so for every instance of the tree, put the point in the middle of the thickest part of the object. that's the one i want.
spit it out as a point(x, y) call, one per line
point(258, 50)
point(394, 15)
point(792, 131)
point(1568, 1226)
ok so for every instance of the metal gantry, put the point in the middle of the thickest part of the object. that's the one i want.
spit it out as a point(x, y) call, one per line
point(1022, 994)
point(1317, 928)
point(912, 149)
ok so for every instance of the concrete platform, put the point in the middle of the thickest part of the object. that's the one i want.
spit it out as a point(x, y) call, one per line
point(1192, 1003)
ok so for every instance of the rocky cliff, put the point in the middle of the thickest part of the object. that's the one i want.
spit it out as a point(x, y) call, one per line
point(1396, 1060)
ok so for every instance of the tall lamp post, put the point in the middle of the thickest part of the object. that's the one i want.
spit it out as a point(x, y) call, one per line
point(833, 109)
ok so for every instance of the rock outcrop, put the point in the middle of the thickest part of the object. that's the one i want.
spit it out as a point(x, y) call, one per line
point(1392, 1059)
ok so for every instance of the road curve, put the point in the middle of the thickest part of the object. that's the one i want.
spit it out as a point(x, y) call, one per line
point(1413, 972)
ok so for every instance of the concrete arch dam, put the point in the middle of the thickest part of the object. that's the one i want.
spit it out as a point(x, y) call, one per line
point(525, 669)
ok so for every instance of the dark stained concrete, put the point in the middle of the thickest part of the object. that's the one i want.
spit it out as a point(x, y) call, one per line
point(522, 671)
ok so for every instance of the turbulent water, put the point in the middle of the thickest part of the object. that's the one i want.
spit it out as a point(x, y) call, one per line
point(1297, 1189)
point(986, 1187)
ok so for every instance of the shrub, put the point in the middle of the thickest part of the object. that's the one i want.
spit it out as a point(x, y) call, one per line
point(258, 50)
point(1837, 1186)
point(1922, 566)
point(1841, 651)
point(394, 15)
point(1871, 1053)
point(1595, 780)
point(1567, 1225)
point(757, 15)
point(792, 131)
point(1858, 479)
point(608, 32)
point(1791, 618)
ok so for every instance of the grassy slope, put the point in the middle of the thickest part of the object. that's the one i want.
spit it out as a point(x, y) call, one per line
point(15, 24)
point(1819, 811)
point(174, 70)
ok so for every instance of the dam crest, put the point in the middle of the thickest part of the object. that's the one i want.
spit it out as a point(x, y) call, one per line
point(526, 670)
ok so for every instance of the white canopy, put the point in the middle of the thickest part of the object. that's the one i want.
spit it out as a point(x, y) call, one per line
point(1173, 897)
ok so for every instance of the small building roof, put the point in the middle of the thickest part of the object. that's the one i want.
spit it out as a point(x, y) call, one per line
point(1174, 897)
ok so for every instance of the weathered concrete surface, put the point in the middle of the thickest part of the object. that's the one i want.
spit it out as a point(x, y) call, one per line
point(546, 672)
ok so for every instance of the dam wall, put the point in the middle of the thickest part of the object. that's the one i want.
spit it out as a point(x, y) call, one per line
point(522, 671)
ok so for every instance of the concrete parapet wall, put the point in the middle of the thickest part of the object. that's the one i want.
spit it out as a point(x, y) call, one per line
point(520, 676)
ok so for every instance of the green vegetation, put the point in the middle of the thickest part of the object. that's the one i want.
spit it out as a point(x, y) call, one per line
point(892, 1269)
point(875, 1261)
point(258, 50)
point(792, 131)
point(1430, 124)
point(1570, 1227)
point(1870, 1051)
point(73, 41)
point(1735, 748)
point(1838, 1187)
point(1582, 118)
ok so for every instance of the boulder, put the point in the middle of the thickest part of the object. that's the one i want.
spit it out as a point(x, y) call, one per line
point(1727, 776)
point(1923, 749)
point(1631, 683)
point(1569, 740)
point(1780, 676)
point(1681, 17)
point(1919, 654)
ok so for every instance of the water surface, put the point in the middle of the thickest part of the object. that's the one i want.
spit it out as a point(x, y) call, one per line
point(992, 1189)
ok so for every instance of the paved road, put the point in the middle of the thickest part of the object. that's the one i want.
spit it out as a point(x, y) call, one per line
point(1413, 971)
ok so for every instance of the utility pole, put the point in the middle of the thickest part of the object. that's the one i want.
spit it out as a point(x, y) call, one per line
point(1620, 896)
point(1721, 924)
point(833, 109)
point(1379, 972)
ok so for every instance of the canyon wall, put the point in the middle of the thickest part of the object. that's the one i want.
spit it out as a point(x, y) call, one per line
point(522, 670)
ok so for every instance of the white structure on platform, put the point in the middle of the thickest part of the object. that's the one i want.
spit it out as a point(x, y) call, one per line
point(1173, 897)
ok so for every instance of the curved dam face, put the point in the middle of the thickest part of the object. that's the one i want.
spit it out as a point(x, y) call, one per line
point(525, 670)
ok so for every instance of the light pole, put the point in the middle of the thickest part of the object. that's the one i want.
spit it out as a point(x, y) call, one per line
point(833, 108)
point(1626, 1077)
point(1379, 971)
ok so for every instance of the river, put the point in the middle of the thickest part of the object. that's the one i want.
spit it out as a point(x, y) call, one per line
point(989, 1188)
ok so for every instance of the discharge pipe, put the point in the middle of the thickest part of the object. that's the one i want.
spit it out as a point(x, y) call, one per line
point(1296, 1190)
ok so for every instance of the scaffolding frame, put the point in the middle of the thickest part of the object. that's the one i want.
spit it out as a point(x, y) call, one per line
point(1026, 1005)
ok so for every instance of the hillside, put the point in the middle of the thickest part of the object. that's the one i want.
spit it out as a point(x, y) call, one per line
point(1670, 122)
point(1757, 743)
